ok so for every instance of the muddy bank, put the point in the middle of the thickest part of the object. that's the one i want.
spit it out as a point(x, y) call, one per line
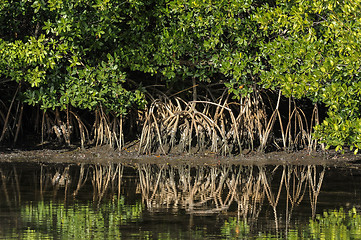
point(105, 155)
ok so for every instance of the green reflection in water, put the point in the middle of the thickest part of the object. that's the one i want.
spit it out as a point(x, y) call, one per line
point(233, 229)
point(332, 224)
point(116, 220)
point(336, 225)
point(49, 220)
point(82, 220)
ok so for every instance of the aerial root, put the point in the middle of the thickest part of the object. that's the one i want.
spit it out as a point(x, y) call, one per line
point(219, 127)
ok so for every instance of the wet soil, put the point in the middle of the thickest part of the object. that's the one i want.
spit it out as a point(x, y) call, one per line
point(105, 155)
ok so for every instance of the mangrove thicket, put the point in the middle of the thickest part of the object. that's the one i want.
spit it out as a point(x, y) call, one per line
point(182, 76)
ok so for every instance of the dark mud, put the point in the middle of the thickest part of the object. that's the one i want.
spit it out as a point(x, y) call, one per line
point(105, 155)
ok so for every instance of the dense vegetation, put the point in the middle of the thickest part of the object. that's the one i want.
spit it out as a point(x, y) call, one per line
point(181, 75)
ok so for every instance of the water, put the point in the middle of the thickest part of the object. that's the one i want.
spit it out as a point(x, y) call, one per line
point(144, 201)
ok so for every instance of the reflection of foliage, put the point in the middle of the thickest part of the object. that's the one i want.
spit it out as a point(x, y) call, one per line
point(336, 225)
point(79, 221)
point(235, 229)
point(332, 224)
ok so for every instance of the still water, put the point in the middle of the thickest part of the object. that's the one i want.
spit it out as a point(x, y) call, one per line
point(144, 201)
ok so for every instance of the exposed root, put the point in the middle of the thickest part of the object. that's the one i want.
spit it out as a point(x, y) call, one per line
point(108, 129)
point(6, 125)
point(223, 127)
point(206, 124)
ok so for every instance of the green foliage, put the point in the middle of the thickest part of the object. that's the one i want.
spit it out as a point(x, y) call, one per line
point(203, 40)
point(71, 53)
point(88, 88)
point(67, 55)
point(27, 62)
point(314, 52)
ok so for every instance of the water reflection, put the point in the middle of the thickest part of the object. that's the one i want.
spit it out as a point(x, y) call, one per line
point(202, 190)
point(209, 190)
point(102, 198)
point(48, 220)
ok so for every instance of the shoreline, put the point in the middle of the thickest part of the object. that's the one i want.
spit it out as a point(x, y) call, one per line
point(104, 155)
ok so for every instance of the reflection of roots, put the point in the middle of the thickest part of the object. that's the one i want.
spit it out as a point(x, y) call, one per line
point(250, 197)
point(295, 180)
point(61, 179)
point(103, 177)
point(201, 190)
point(315, 182)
